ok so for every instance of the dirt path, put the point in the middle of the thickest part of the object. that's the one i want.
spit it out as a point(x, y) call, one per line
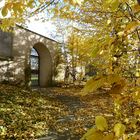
point(75, 115)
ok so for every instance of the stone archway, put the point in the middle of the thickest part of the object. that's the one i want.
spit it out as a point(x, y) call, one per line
point(45, 65)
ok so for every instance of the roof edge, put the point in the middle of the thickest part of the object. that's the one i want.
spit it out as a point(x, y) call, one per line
point(36, 33)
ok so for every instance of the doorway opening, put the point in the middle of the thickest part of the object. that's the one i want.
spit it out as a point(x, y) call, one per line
point(41, 66)
point(34, 59)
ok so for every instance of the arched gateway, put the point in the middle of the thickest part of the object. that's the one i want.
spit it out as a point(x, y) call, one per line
point(41, 65)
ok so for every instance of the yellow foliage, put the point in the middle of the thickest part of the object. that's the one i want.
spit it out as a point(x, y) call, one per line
point(136, 8)
point(111, 4)
point(89, 133)
point(117, 87)
point(115, 4)
point(136, 94)
point(109, 136)
point(137, 112)
point(119, 129)
point(93, 84)
point(79, 2)
point(101, 123)
point(4, 11)
point(93, 134)
point(99, 81)
point(131, 26)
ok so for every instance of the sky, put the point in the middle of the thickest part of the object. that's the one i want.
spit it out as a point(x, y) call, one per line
point(46, 28)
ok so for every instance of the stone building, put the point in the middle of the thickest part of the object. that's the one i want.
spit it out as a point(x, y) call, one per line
point(18, 51)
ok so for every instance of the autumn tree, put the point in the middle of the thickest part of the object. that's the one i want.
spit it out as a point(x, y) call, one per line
point(112, 31)
point(18, 12)
point(111, 28)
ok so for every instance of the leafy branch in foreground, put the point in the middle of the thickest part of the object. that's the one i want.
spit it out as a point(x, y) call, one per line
point(126, 123)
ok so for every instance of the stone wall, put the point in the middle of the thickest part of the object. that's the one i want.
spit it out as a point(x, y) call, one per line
point(19, 66)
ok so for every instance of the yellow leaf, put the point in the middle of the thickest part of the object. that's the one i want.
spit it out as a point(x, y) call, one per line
point(89, 132)
point(137, 74)
point(96, 136)
point(4, 11)
point(119, 129)
point(133, 123)
point(114, 4)
point(121, 33)
point(101, 52)
point(95, 51)
point(17, 7)
point(108, 21)
point(106, 4)
point(109, 136)
point(131, 26)
point(99, 81)
point(79, 2)
point(111, 4)
point(93, 84)
point(101, 123)
point(30, 4)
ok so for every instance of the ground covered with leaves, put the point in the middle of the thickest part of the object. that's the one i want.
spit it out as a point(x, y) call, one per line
point(53, 113)
point(49, 114)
